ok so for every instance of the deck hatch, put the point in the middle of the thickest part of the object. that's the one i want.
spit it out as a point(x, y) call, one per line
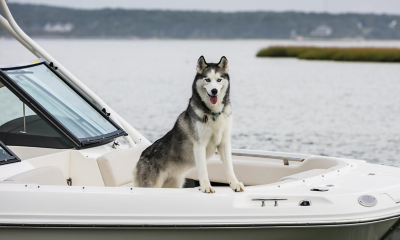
point(367, 200)
point(61, 104)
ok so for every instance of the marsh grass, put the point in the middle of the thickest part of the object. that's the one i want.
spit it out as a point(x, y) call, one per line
point(356, 54)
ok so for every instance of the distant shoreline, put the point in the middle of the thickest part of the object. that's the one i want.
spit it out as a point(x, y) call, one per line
point(352, 54)
point(47, 21)
point(306, 40)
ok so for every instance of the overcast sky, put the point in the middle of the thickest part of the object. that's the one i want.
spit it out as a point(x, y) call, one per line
point(332, 6)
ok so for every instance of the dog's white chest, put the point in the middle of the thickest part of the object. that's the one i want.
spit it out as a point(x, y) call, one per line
point(211, 132)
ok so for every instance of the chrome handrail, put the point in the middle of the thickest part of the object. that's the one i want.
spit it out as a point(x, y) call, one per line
point(285, 159)
point(276, 199)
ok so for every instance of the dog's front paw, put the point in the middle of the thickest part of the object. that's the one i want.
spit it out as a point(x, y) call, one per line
point(207, 189)
point(237, 186)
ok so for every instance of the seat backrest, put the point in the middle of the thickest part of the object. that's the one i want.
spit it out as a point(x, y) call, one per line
point(42, 176)
point(117, 167)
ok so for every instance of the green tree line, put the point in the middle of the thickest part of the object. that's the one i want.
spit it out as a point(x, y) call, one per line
point(46, 21)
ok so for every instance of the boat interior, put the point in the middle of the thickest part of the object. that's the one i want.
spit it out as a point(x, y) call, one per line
point(60, 137)
point(114, 169)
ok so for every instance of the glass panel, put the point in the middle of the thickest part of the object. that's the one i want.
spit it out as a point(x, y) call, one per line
point(61, 101)
point(11, 107)
point(3, 154)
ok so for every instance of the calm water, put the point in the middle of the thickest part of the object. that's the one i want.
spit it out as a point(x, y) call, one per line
point(318, 107)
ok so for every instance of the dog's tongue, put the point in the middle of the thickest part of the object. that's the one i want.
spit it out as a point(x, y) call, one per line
point(213, 99)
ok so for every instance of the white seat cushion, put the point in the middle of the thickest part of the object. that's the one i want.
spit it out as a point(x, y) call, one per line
point(42, 176)
point(117, 167)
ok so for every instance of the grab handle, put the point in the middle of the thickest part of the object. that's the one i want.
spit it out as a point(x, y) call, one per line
point(285, 160)
point(276, 199)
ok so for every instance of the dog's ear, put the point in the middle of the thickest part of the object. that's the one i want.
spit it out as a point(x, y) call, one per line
point(201, 64)
point(223, 64)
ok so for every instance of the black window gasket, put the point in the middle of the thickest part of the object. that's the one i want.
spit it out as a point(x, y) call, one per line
point(11, 159)
point(79, 143)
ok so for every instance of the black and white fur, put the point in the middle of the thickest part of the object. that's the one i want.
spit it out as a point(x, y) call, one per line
point(195, 136)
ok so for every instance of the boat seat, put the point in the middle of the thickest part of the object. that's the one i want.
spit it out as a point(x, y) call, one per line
point(304, 175)
point(117, 167)
point(41, 176)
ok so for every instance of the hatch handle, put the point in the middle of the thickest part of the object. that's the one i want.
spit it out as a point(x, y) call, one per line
point(276, 199)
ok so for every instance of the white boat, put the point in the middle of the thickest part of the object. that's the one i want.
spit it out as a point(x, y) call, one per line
point(66, 166)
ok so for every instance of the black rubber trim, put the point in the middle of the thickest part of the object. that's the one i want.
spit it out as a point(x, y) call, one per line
point(22, 66)
point(79, 143)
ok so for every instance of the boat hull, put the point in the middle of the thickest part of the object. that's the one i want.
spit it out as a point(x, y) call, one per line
point(361, 231)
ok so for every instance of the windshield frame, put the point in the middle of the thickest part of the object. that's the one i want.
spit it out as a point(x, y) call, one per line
point(11, 159)
point(52, 120)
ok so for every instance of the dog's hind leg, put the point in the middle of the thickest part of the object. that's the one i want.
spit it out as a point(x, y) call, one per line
point(176, 182)
point(160, 181)
point(143, 176)
point(179, 182)
point(155, 180)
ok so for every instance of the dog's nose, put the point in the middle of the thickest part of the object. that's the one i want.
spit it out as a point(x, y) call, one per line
point(214, 91)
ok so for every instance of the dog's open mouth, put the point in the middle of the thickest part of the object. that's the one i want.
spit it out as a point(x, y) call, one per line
point(213, 99)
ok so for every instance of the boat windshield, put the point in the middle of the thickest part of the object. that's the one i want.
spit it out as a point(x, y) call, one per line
point(6, 155)
point(65, 103)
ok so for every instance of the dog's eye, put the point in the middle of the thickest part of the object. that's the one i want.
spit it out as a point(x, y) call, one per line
point(219, 80)
point(208, 80)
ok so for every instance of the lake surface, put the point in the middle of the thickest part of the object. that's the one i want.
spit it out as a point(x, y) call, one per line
point(340, 109)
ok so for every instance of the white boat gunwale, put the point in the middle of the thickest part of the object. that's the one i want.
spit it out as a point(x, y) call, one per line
point(203, 225)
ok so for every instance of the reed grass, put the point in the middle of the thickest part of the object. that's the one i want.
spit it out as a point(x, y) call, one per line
point(355, 54)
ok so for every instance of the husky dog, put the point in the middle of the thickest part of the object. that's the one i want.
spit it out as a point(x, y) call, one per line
point(202, 128)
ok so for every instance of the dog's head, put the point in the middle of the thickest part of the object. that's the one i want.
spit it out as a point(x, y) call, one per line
point(212, 83)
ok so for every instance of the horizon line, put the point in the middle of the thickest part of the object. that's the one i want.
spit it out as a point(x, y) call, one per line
point(203, 11)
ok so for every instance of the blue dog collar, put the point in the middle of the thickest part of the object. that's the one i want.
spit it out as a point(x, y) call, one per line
point(216, 115)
